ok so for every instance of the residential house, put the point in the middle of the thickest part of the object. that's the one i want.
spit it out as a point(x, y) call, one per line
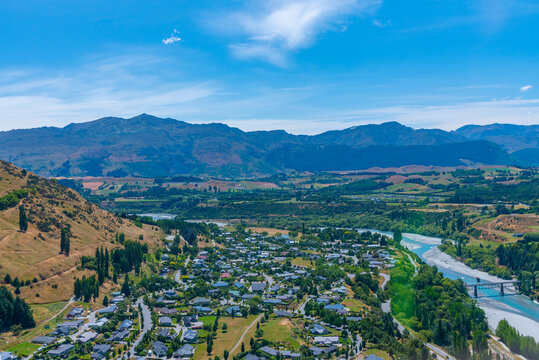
point(186, 351)
point(165, 321)
point(61, 351)
point(100, 351)
point(159, 349)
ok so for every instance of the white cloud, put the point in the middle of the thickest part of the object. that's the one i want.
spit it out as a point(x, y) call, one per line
point(273, 28)
point(381, 24)
point(107, 87)
point(173, 38)
point(526, 88)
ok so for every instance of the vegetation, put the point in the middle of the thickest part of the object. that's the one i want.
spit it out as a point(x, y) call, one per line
point(438, 308)
point(14, 311)
point(519, 344)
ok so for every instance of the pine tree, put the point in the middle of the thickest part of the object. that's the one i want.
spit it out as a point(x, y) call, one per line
point(23, 219)
point(397, 236)
point(126, 290)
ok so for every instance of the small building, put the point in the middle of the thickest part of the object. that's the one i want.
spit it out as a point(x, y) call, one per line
point(44, 340)
point(233, 310)
point(258, 287)
point(75, 312)
point(281, 313)
point(165, 321)
point(61, 351)
point(100, 351)
point(190, 336)
point(326, 340)
point(119, 335)
point(186, 351)
point(318, 329)
point(126, 324)
point(86, 337)
point(108, 310)
point(159, 349)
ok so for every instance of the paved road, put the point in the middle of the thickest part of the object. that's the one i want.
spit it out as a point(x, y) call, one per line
point(146, 324)
point(413, 263)
point(386, 279)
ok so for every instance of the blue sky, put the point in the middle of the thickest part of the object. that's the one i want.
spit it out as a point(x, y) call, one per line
point(305, 66)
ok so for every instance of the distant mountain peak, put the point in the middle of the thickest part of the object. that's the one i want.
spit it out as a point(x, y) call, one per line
point(149, 146)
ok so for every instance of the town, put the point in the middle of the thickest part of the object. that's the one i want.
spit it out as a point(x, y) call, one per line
point(238, 294)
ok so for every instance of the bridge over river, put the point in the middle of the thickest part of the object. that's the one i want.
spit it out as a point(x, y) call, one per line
point(492, 285)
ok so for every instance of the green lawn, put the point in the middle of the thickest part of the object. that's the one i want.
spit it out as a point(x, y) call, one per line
point(24, 349)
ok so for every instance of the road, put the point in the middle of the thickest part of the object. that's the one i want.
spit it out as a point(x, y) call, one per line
point(147, 324)
point(413, 263)
point(245, 332)
point(178, 275)
point(386, 279)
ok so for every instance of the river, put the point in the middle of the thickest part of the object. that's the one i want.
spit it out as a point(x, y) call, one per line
point(518, 310)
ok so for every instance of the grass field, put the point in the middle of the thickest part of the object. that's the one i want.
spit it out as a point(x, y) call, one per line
point(24, 349)
point(281, 330)
point(302, 262)
point(225, 340)
point(355, 305)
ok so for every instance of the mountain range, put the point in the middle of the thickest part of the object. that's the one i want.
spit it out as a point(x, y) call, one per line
point(149, 146)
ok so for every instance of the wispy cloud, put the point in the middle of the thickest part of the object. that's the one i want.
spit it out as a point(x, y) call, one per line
point(114, 86)
point(173, 38)
point(271, 29)
point(381, 24)
point(526, 88)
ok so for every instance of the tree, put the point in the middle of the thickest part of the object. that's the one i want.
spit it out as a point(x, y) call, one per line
point(126, 290)
point(105, 301)
point(7, 279)
point(242, 347)
point(23, 219)
point(225, 354)
point(397, 235)
point(64, 242)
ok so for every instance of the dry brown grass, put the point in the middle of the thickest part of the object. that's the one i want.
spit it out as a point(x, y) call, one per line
point(35, 253)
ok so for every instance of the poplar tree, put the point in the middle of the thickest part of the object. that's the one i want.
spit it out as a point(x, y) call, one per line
point(23, 219)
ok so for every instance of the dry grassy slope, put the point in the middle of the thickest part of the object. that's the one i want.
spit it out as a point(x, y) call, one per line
point(36, 252)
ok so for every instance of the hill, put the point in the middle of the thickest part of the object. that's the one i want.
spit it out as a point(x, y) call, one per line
point(147, 146)
point(511, 137)
point(36, 252)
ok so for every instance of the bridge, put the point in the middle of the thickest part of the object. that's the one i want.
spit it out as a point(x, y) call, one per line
point(491, 285)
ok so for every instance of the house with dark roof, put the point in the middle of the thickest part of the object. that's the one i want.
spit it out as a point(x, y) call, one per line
point(318, 329)
point(258, 287)
point(61, 351)
point(186, 351)
point(165, 321)
point(190, 336)
point(281, 313)
point(159, 349)
point(100, 351)
point(233, 310)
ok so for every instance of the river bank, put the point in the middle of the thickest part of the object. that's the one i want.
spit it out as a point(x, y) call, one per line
point(518, 310)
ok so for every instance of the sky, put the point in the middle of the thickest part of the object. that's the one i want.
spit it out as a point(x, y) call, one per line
point(305, 66)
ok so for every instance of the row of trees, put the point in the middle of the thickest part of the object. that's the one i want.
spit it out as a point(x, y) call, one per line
point(522, 258)
point(14, 311)
point(519, 344)
point(86, 288)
